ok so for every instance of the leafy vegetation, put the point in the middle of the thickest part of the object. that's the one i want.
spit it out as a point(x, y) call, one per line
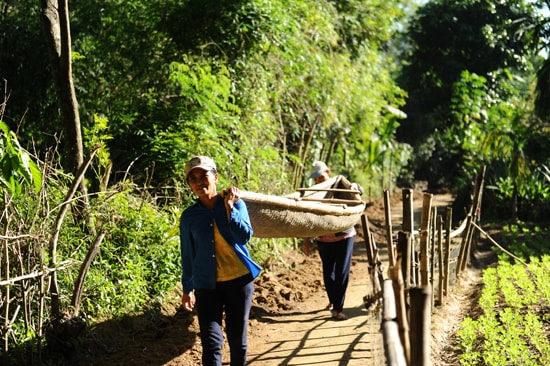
point(239, 80)
point(16, 166)
point(469, 73)
point(512, 325)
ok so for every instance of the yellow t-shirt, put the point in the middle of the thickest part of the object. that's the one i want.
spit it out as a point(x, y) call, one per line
point(229, 265)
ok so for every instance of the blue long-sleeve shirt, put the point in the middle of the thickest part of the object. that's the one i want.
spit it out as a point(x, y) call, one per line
point(198, 255)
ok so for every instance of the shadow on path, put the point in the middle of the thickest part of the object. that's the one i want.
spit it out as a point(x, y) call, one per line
point(308, 335)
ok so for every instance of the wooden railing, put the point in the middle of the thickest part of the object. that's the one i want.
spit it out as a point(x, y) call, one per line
point(423, 265)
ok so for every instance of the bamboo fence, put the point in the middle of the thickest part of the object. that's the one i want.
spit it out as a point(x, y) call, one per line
point(424, 264)
point(29, 268)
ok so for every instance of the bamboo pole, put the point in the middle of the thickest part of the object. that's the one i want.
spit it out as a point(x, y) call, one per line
point(447, 252)
point(374, 263)
point(519, 260)
point(377, 275)
point(420, 326)
point(404, 252)
point(408, 214)
point(336, 201)
point(41, 307)
point(462, 251)
point(424, 236)
point(389, 236)
point(466, 243)
point(396, 276)
point(61, 265)
point(408, 226)
point(432, 247)
point(25, 289)
point(379, 270)
point(6, 298)
point(366, 230)
point(440, 258)
point(393, 347)
point(389, 308)
point(475, 212)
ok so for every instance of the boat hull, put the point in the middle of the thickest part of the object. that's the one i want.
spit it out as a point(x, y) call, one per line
point(307, 214)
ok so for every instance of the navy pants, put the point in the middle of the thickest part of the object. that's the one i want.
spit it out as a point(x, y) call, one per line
point(336, 259)
point(235, 297)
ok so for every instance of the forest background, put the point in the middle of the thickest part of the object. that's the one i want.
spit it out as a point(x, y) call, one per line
point(104, 101)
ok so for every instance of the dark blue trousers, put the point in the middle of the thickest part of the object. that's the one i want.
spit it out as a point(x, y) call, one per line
point(235, 298)
point(336, 259)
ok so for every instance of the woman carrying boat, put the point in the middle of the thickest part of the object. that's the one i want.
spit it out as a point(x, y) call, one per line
point(217, 270)
point(335, 251)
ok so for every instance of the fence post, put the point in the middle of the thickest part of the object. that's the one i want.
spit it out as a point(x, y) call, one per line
point(389, 236)
point(433, 230)
point(408, 213)
point(372, 254)
point(395, 353)
point(404, 251)
point(424, 236)
point(447, 254)
point(466, 252)
point(462, 254)
point(440, 258)
point(408, 226)
point(420, 326)
point(399, 292)
point(6, 300)
point(366, 231)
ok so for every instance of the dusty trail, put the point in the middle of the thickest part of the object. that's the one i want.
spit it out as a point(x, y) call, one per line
point(308, 335)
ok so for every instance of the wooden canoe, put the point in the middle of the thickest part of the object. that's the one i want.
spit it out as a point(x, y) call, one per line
point(325, 208)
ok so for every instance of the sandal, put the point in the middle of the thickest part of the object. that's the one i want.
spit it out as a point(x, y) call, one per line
point(329, 306)
point(338, 315)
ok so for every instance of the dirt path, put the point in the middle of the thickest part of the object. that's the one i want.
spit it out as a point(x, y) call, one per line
point(308, 335)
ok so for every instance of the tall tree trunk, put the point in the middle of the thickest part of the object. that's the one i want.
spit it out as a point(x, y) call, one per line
point(55, 22)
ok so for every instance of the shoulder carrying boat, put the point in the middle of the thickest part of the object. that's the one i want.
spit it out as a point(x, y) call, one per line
point(329, 207)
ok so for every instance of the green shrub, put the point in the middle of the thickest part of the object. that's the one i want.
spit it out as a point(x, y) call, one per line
point(138, 261)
